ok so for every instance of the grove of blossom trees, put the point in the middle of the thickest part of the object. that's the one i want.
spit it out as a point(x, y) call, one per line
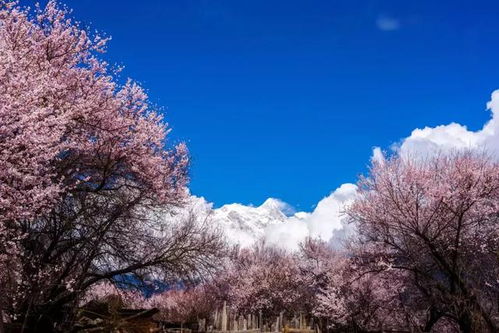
point(424, 257)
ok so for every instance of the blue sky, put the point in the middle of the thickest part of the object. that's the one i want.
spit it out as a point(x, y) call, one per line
point(286, 99)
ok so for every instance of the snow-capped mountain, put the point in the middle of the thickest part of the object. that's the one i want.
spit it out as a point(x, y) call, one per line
point(245, 225)
point(275, 221)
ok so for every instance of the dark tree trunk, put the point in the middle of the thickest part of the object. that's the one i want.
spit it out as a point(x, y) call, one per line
point(466, 323)
point(432, 320)
point(2, 327)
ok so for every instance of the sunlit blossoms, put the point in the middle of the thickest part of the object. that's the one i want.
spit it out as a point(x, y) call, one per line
point(86, 177)
point(437, 221)
point(63, 118)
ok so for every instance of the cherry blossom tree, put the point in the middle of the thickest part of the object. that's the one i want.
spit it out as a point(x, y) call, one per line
point(184, 305)
point(319, 266)
point(342, 297)
point(354, 299)
point(261, 279)
point(437, 221)
point(87, 180)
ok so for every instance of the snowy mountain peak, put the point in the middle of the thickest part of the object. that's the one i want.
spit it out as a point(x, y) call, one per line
point(246, 224)
point(274, 220)
point(276, 205)
point(272, 203)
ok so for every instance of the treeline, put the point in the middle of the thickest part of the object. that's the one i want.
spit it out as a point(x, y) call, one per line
point(90, 191)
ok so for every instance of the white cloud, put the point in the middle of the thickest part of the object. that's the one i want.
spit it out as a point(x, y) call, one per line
point(377, 155)
point(326, 219)
point(385, 23)
point(430, 140)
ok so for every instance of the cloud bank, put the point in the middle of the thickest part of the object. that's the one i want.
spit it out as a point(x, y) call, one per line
point(326, 219)
point(431, 140)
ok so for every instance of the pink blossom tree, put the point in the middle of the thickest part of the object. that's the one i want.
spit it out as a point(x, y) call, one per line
point(262, 279)
point(86, 177)
point(184, 305)
point(319, 267)
point(367, 301)
point(437, 221)
point(342, 297)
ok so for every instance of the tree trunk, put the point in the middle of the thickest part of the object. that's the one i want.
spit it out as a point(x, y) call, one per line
point(466, 323)
point(476, 321)
point(432, 320)
point(2, 327)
